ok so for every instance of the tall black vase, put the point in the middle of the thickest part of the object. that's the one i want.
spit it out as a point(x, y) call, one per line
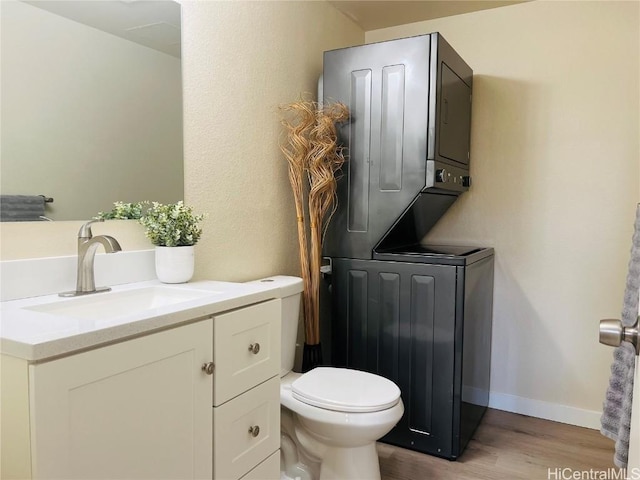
point(311, 357)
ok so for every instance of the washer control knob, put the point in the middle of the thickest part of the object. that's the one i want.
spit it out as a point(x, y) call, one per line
point(441, 175)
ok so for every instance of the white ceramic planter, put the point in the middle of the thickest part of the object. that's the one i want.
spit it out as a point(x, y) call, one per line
point(174, 264)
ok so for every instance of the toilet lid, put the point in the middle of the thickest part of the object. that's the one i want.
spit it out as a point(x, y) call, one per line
point(345, 390)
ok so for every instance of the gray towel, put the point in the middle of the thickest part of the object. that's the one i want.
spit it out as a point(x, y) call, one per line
point(616, 414)
point(21, 208)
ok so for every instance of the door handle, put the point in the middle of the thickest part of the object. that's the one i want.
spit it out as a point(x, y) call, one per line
point(613, 333)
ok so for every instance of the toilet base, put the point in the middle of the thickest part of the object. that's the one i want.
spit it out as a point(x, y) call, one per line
point(326, 462)
point(319, 444)
point(357, 463)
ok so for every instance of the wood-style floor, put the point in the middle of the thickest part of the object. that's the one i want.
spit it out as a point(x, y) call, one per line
point(507, 446)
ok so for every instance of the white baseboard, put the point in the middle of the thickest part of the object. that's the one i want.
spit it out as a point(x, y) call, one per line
point(549, 411)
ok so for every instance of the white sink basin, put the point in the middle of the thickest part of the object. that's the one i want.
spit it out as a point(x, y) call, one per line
point(101, 306)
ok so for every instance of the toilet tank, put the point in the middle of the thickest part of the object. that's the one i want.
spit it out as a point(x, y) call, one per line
point(290, 292)
point(289, 329)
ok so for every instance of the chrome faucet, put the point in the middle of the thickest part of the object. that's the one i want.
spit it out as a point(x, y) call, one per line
point(87, 247)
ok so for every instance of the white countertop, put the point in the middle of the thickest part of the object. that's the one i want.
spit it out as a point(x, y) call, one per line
point(36, 336)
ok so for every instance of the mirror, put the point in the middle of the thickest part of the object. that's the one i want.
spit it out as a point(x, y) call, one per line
point(91, 103)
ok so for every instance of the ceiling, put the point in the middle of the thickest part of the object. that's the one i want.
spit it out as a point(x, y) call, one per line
point(156, 23)
point(152, 23)
point(371, 15)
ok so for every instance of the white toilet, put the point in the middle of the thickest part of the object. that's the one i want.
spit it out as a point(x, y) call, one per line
point(331, 418)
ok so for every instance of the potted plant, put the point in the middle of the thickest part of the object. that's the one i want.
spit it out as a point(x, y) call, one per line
point(123, 211)
point(174, 229)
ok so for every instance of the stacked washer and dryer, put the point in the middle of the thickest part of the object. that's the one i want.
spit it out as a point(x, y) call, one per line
point(417, 314)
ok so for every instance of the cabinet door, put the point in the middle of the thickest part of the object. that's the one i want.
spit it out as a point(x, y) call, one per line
point(139, 409)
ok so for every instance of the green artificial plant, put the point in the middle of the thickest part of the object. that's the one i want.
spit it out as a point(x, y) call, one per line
point(172, 225)
point(123, 211)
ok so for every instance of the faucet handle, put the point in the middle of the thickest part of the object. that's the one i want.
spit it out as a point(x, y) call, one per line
point(85, 230)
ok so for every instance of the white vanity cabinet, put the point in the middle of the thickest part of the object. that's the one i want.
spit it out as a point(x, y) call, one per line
point(144, 408)
point(136, 409)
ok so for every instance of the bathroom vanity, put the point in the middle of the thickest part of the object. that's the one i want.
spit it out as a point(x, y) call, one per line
point(147, 381)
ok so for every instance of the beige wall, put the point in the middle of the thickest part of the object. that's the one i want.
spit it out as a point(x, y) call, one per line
point(555, 162)
point(555, 154)
point(88, 118)
point(241, 60)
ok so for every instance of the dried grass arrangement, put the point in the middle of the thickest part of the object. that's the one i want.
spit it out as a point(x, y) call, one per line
point(314, 158)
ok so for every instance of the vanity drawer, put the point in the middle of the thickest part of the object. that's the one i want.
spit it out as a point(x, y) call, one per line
point(267, 470)
point(247, 430)
point(246, 349)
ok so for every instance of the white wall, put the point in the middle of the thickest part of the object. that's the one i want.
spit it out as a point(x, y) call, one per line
point(88, 118)
point(555, 163)
point(241, 61)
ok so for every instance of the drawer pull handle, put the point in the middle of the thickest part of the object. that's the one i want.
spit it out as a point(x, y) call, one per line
point(254, 348)
point(254, 431)
point(208, 368)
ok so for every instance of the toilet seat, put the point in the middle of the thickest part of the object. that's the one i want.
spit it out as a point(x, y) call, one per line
point(345, 390)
